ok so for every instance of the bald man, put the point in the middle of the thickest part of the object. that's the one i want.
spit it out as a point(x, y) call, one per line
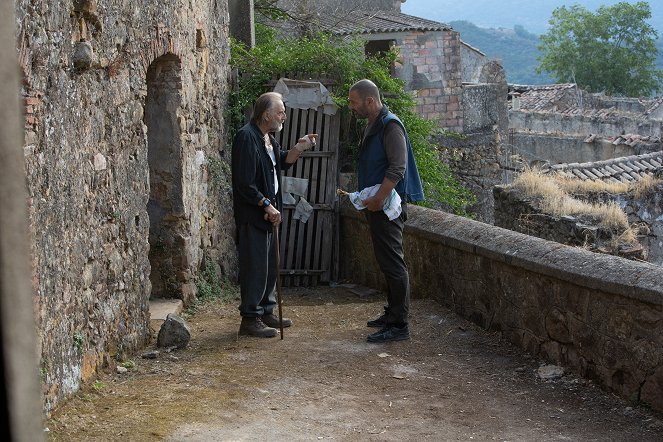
point(386, 158)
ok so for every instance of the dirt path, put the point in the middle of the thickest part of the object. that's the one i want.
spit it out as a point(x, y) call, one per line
point(451, 381)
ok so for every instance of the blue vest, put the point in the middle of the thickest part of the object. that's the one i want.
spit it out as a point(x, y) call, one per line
point(373, 161)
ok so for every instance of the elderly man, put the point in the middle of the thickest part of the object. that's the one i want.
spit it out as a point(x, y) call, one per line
point(257, 162)
point(386, 159)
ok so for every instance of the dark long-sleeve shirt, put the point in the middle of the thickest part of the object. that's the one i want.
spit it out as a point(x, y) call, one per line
point(253, 175)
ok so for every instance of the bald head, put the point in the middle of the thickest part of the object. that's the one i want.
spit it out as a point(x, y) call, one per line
point(364, 100)
point(366, 88)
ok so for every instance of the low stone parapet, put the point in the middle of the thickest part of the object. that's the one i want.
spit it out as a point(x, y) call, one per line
point(599, 315)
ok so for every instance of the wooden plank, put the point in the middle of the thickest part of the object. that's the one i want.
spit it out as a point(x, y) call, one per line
point(313, 199)
point(305, 174)
point(301, 272)
point(317, 247)
point(308, 154)
point(283, 238)
point(293, 225)
point(333, 198)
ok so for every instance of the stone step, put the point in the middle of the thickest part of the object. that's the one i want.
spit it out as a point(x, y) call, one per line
point(160, 308)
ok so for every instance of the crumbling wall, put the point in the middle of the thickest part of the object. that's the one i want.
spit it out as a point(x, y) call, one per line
point(538, 148)
point(515, 212)
point(646, 212)
point(476, 160)
point(431, 66)
point(583, 125)
point(88, 130)
point(598, 315)
point(477, 157)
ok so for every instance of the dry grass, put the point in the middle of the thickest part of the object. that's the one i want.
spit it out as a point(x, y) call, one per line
point(644, 186)
point(554, 193)
point(578, 186)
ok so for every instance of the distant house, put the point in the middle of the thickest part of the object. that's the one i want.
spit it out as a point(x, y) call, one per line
point(434, 62)
point(562, 123)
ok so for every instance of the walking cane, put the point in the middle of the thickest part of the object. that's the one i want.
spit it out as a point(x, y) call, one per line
point(275, 230)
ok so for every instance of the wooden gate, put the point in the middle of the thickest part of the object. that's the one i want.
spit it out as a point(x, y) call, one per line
point(309, 251)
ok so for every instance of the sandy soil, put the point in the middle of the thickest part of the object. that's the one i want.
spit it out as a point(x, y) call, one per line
point(323, 381)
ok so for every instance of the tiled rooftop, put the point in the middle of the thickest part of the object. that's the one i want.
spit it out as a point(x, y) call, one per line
point(624, 169)
point(655, 104)
point(565, 99)
point(377, 22)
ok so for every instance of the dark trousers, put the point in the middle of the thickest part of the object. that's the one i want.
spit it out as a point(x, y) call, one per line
point(387, 239)
point(257, 274)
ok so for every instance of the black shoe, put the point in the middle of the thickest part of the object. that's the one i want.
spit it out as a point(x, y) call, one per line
point(255, 327)
point(271, 320)
point(380, 322)
point(390, 333)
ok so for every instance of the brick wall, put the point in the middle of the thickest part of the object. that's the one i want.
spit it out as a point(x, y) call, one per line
point(431, 67)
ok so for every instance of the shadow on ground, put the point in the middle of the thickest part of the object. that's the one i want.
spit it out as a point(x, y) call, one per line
point(323, 381)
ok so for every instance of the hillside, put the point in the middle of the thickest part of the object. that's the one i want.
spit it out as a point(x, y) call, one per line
point(516, 48)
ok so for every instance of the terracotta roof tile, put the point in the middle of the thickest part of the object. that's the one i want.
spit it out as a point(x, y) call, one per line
point(562, 99)
point(624, 169)
point(377, 22)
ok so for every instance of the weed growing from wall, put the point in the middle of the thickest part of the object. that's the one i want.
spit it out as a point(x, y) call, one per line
point(327, 56)
point(212, 287)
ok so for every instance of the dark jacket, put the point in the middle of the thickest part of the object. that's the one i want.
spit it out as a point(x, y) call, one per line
point(373, 161)
point(253, 176)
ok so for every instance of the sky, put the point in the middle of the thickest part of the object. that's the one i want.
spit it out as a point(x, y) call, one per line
point(531, 14)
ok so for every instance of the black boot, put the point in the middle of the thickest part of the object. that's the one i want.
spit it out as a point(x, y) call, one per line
point(271, 320)
point(255, 327)
point(390, 333)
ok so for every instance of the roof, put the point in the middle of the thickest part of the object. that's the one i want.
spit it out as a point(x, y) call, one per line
point(377, 22)
point(546, 98)
point(624, 169)
point(565, 99)
point(654, 105)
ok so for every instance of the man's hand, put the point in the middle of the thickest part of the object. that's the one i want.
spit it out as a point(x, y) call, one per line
point(306, 142)
point(272, 215)
point(374, 203)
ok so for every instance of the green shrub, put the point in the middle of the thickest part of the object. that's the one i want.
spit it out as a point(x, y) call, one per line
point(344, 60)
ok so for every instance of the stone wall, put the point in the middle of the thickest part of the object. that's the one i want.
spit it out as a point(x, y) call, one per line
point(478, 158)
point(431, 67)
point(598, 315)
point(553, 123)
point(536, 148)
point(645, 213)
point(124, 105)
point(477, 162)
point(20, 404)
point(472, 61)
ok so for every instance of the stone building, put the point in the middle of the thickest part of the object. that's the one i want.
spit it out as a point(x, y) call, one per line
point(452, 83)
point(561, 123)
point(124, 151)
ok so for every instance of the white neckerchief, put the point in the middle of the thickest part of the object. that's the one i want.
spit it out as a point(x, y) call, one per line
point(270, 151)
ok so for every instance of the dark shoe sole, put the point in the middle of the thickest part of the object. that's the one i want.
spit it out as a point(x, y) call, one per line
point(391, 339)
point(286, 323)
point(258, 335)
point(376, 323)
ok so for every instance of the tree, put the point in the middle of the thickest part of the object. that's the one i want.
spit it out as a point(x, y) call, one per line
point(612, 51)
